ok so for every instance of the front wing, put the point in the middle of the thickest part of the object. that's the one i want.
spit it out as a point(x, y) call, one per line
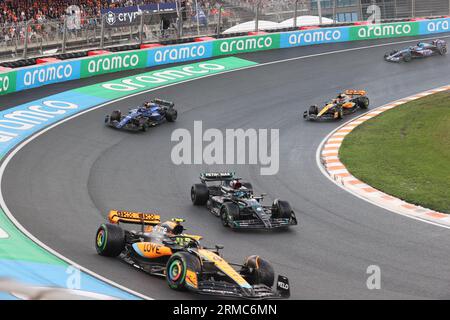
point(314, 117)
point(258, 224)
point(256, 292)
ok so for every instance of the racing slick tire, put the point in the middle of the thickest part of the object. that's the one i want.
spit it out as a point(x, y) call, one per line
point(229, 209)
point(363, 102)
point(110, 240)
point(116, 115)
point(442, 49)
point(199, 194)
point(181, 268)
point(281, 209)
point(340, 113)
point(313, 110)
point(407, 57)
point(258, 271)
point(144, 127)
point(248, 185)
point(171, 115)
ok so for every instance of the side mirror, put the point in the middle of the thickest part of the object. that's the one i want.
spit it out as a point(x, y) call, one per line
point(219, 247)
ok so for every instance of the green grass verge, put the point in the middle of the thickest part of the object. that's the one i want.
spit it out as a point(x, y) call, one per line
point(405, 152)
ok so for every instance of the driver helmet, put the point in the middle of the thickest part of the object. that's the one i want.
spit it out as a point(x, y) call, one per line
point(341, 97)
point(172, 228)
point(147, 105)
point(239, 194)
point(235, 184)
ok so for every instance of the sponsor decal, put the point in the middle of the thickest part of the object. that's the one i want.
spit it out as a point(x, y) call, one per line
point(388, 30)
point(434, 26)
point(7, 82)
point(180, 53)
point(157, 78)
point(125, 16)
point(316, 36)
point(18, 123)
point(246, 44)
point(112, 63)
point(33, 77)
point(115, 17)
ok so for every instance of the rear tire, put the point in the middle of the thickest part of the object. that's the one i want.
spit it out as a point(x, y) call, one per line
point(228, 213)
point(407, 57)
point(258, 271)
point(171, 115)
point(177, 269)
point(116, 115)
point(442, 50)
point(199, 194)
point(281, 209)
point(110, 240)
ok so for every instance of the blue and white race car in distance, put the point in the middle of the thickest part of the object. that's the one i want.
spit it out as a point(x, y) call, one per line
point(421, 50)
point(141, 118)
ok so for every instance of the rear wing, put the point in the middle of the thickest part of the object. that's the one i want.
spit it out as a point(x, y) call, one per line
point(355, 92)
point(117, 216)
point(163, 103)
point(217, 176)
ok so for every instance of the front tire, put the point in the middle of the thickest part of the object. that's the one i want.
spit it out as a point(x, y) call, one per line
point(228, 213)
point(199, 194)
point(110, 240)
point(281, 209)
point(258, 271)
point(116, 115)
point(363, 102)
point(442, 50)
point(313, 110)
point(178, 268)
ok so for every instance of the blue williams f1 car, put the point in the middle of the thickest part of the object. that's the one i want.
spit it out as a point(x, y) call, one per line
point(148, 115)
point(421, 50)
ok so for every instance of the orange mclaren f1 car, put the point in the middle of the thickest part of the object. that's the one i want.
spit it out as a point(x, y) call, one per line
point(162, 249)
point(345, 103)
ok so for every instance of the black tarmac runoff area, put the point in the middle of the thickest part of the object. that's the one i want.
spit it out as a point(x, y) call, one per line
point(61, 185)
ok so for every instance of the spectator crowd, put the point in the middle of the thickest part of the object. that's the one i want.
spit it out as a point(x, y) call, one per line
point(44, 18)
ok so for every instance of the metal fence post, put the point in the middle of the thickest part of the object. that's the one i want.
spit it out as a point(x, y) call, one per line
point(141, 28)
point(257, 16)
point(198, 18)
point(334, 11)
point(413, 8)
point(361, 15)
point(295, 13)
point(180, 19)
point(25, 44)
point(319, 8)
point(102, 31)
point(219, 22)
point(64, 39)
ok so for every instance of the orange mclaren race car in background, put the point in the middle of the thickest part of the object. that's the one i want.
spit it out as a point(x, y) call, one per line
point(163, 249)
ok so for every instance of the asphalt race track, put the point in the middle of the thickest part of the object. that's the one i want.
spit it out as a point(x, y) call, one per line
point(62, 184)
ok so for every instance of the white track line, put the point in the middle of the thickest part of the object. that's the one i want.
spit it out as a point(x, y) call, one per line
point(36, 135)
